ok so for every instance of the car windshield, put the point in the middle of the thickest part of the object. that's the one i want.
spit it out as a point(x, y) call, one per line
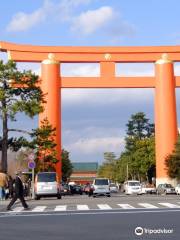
point(134, 184)
point(168, 186)
point(112, 185)
point(101, 182)
point(46, 177)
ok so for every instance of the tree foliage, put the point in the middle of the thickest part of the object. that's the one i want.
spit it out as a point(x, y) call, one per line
point(43, 141)
point(108, 168)
point(137, 161)
point(67, 166)
point(173, 162)
point(19, 92)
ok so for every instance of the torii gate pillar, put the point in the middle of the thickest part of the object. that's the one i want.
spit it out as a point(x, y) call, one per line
point(165, 115)
point(50, 85)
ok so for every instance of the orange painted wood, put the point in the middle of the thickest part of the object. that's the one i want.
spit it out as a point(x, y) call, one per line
point(90, 57)
point(32, 53)
point(52, 107)
point(105, 82)
point(165, 117)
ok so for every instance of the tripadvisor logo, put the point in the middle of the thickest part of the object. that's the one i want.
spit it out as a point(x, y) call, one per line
point(139, 231)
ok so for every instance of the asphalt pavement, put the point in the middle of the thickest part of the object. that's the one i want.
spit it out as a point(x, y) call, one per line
point(93, 225)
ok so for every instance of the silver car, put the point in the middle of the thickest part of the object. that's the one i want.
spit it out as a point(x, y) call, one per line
point(46, 185)
point(165, 188)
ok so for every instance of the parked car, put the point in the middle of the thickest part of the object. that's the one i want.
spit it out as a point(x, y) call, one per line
point(65, 189)
point(113, 188)
point(132, 187)
point(76, 189)
point(101, 187)
point(148, 188)
point(165, 188)
point(46, 185)
point(177, 189)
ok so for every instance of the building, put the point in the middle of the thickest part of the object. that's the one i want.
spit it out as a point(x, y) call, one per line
point(84, 172)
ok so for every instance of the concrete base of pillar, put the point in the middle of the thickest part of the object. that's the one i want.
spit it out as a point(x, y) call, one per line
point(166, 180)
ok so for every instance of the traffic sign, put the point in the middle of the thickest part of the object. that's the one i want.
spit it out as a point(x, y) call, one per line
point(31, 164)
point(31, 156)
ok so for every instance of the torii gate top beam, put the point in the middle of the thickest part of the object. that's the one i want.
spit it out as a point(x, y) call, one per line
point(106, 56)
point(30, 53)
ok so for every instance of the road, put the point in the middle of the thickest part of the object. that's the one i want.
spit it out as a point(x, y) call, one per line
point(80, 217)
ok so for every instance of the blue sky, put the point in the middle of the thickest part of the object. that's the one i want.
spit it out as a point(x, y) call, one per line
point(94, 120)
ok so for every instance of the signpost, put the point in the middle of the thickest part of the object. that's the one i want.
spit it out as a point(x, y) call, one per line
point(32, 165)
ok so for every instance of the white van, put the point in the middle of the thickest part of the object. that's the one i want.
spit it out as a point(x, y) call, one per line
point(101, 187)
point(46, 185)
point(132, 187)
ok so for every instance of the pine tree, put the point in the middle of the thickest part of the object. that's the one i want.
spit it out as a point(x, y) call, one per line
point(19, 92)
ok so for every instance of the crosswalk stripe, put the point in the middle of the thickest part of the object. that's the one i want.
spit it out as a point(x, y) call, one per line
point(126, 206)
point(170, 205)
point(104, 206)
point(61, 208)
point(82, 207)
point(147, 205)
point(18, 209)
point(39, 209)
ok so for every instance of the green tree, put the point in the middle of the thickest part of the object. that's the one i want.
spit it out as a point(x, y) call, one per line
point(19, 92)
point(43, 141)
point(108, 168)
point(173, 162)
point(67, 166)
point(139, 156)
point(138, 127)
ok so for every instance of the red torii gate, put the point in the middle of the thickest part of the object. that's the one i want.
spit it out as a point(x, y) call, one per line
point(164, 83)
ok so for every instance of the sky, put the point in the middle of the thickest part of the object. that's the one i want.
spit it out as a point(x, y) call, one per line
point(94, 120)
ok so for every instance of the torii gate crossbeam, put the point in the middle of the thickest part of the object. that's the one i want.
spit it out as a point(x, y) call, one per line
point(164, 82)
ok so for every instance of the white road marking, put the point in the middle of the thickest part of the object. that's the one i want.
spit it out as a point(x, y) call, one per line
point(82, 207)
point(18, 209)
point(169, 205)
point(39, 209)
point(60, 208)
point(147, 205)
point(140, 211)
point(104, 206)
point(126, 206)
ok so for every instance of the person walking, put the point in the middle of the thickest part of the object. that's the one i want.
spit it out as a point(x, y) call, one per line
point(10, 186)
point(3, 185)
point(18, 193)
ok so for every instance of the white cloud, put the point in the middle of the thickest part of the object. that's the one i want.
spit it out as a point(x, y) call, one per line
point(106, 96)
point(88, 22)
point(23, 21)
point(80, 69)
point(70, 12)
point(63, 11)
point(97, 145)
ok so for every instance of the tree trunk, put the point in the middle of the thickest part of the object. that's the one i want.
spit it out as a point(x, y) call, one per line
point(4, 165)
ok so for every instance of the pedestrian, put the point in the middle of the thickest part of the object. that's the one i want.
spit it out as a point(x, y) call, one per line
point(10, 186)
point(3, 185)
point(18, 193)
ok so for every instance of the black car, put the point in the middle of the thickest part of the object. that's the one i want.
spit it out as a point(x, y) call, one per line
point(76, 189)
